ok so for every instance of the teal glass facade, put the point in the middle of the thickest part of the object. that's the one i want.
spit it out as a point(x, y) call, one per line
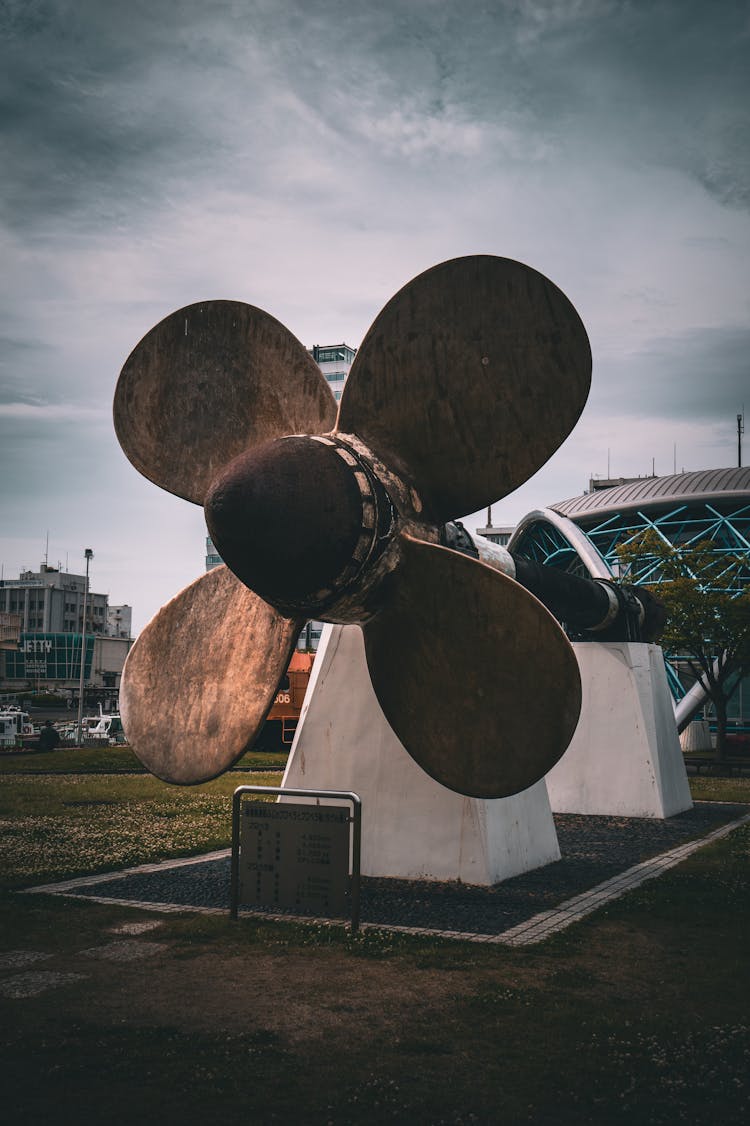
point(725, 525)
point(684, 510)
point(49, 656)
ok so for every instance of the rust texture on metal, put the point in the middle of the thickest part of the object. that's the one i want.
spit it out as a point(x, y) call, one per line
point(475, 676)
point(310, 524)
point(288, 517)
point(468, 381)
point(201, 677)
point(207, 383)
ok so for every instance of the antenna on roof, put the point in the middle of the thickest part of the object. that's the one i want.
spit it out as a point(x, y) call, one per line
point(740, 432)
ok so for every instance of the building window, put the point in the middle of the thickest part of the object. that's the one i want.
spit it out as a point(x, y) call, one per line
point(331, 355)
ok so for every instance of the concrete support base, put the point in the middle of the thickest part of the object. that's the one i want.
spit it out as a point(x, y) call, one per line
point(625, 757)
point(412, 828)
point(697, 737)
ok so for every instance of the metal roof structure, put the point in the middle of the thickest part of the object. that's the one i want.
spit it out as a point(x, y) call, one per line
point(583, 535)
point(679, 488)
point(586, 533)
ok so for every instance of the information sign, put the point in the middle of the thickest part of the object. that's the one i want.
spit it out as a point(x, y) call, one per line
point(295, 856)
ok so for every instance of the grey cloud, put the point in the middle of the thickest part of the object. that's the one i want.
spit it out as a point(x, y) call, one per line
point(111, 108)
point(16, 349)
point(725, 169)
point(50, 458)
point(310, 157)
point(106, 106)
point(659, 83)
point(24, 363)
point(701, 374)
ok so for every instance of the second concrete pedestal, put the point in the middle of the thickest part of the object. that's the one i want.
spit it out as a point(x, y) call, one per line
point(412, 828)
point(625, 757)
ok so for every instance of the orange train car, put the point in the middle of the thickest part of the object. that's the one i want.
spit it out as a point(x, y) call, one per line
point(281, 721)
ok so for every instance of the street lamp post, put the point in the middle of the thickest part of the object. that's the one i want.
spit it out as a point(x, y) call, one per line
point(89, 555)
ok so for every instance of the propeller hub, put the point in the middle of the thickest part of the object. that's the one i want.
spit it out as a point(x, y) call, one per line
point(297, 519)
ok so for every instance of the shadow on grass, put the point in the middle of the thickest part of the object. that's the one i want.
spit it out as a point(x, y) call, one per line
point(636, 1015)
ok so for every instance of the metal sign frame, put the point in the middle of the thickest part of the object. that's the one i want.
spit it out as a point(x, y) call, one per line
point(355, 821)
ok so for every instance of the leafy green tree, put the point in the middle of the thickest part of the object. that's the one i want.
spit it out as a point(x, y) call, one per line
point(706, 591)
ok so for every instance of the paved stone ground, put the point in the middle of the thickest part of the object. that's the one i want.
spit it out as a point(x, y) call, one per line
point(602, 857)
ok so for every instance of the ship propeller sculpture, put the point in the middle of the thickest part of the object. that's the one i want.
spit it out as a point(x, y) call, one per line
point(468, 380)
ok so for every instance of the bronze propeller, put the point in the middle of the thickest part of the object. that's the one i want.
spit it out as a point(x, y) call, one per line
point(468, 380)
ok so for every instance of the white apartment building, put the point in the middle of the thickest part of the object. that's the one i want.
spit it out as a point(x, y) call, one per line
point(42, 616)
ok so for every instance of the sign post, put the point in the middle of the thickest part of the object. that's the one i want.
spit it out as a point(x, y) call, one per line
point(297, 855)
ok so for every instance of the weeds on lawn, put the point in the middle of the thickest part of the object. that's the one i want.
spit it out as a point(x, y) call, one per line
point(56, 828)
point(705, 788)
point(638, 1014)
point(109, 760)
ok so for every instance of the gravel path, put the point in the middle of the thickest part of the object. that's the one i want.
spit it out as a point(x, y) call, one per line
point(593, 850)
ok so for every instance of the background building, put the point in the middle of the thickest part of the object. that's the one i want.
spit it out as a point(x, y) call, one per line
point(582, 535)
point(51, 601)
point(335, 361)
point(10, 630)
point(213, 559)
point(499, 534)
point(119, 621)
point(42, 612)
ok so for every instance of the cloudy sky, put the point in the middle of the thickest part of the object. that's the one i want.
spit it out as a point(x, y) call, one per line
point(310, 158)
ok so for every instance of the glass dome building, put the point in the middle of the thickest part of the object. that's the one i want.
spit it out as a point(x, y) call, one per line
point(582, 535)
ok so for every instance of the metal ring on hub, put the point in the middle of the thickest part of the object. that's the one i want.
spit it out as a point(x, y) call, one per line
point(377, 526)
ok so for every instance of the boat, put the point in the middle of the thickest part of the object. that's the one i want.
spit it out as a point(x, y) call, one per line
point(105, 728)
point(16, 727)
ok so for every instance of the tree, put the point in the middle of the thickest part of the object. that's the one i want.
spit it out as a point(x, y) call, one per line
point(706, 591)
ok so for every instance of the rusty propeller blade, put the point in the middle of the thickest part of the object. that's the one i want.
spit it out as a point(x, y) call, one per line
point(207, 383)
point(469, 380)
point(474, 675)
point(201, 677)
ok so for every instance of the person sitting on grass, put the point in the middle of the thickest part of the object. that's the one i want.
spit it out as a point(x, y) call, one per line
point(48, 737)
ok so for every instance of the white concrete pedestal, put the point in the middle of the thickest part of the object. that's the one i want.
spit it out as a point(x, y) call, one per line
point(412, 827)
point(625, 757)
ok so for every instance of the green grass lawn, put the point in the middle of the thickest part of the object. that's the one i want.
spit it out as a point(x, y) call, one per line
point(108, 760)
point(720, 789)
point(637, 1015)
point(59, 826)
